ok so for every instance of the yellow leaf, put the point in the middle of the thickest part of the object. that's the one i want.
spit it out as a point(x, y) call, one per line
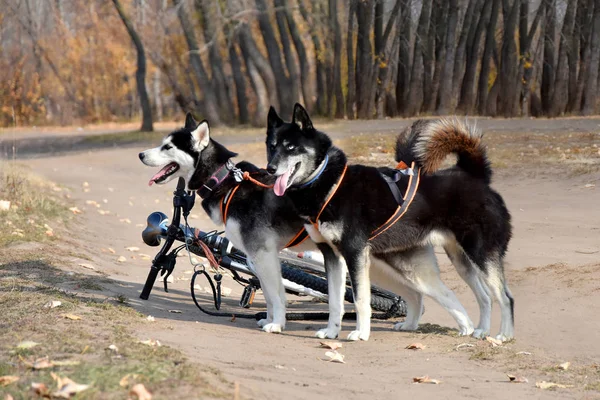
point(71, 317)
point(8, 379)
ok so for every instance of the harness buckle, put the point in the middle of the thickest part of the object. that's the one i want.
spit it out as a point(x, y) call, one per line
point(238, 174)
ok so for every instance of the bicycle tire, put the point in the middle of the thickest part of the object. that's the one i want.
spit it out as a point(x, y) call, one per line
point(393, 307)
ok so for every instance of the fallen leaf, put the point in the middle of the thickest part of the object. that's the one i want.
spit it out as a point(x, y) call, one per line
point(113, 348)
point(49, 233)
point(72, 317)
point(225, 291)
point(589, 185)
point(331, 345)
point(233, 318)
point(517, 379)
point(425, 379)
point(140, 392)
point(111, 250)
point(103, 212)
point(88, 266)
point(8, 379)
point(415, 346)
point(53, 304)
point(144, 256)
point(151, 342)
point(564, 366)
point(176, 311)
point(121, 259)
point(75, 210)
point(525, 353)
point(111, 189)
point(150, 318)
point(277, 366)
point(125, 381)
point(27, 344)
point(9, 397)
point(67, 388)
point(85, 184)
point(40, 363)
point(334, 356)
point(4, 205)
point(40, 389)
point(92, 203)
point(132, 248)
point(549, 385)
point(495, 342)
point(125, 220)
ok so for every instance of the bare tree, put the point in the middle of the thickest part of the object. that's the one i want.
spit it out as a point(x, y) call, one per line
point(140, 74)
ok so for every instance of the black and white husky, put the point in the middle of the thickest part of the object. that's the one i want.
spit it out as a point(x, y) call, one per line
point(455, 208)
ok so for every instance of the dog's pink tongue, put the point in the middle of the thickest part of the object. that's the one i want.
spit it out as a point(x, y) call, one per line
point(281, 184)
point(159, 174)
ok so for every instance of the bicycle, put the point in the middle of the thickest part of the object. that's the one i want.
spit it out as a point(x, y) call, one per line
point(299, 278)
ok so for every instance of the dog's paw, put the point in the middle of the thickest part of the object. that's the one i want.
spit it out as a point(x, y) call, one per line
point(504, 338)
point(272, 328)
point(262, 322)
point(327, 333)
point(406, 326)
point(358, 335)
point(481, 333)
point(465, 331)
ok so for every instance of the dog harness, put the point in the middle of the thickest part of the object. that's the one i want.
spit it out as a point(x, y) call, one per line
point(219, 176)
point(414, 174)
point(404, 202)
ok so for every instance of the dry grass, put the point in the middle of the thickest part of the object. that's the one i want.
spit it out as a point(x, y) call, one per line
point(36, 206)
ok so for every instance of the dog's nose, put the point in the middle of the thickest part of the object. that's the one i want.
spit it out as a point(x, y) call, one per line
point(142, 155)
point(271, 169)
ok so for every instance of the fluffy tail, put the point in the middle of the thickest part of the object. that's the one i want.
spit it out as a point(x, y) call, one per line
point(429, 142)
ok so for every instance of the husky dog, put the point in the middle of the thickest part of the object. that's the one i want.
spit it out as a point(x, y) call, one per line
point(455, 208)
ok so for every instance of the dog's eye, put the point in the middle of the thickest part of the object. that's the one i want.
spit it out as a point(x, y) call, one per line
point(290, 147)
point(167, 147)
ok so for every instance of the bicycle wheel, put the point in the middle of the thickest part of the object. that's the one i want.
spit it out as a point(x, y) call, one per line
point(386, 302)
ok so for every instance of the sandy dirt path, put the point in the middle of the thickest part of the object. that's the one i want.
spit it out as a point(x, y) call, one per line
point(552, 267)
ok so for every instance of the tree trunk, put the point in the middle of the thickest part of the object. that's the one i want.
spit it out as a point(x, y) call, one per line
point(364, 59)
point(573, 55)
point(403, 78)
point(307, 91)
point(140, 73)
point(561, 94)
point(262, 65)
point(381, 67)
point(290, 61)
point(510, 87)
point(284, 86)
point(526, 36)
point(336, 77)
point(415, 96)
point(218, 79)
point(431, 69)
point(260, 89)
point(319, 66)
point(585, 36)
point(590, 93)
point(467, 92)
point(351, 96)
point(548, 70)
point(487, 55)
point(211, 109)
point(240, 84)
point(468, 26)
point(445, 105)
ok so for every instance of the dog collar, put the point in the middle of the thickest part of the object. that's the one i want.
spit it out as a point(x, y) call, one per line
point(217, 178)
point(321, 169)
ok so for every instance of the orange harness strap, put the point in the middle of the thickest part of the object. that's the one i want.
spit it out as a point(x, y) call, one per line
point(338, 184)
point(300, 237)
point(246, 176)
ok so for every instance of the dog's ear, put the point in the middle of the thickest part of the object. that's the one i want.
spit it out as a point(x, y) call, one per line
point(201, 136)
point(301, 118)
point(190, 122)
point(273, 120)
